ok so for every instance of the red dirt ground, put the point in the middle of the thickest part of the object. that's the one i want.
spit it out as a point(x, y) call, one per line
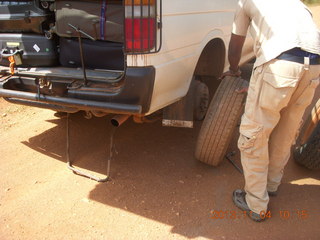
point(158, 190)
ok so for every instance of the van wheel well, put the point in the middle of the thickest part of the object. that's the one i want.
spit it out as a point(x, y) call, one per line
point(211, 64)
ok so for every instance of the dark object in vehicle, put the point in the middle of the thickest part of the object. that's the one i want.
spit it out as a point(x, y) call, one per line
point(99, 21)
point(32, 49)
point(24, 16)
point(97, 54)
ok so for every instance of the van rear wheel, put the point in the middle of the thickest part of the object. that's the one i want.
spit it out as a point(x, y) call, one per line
point(222, 117)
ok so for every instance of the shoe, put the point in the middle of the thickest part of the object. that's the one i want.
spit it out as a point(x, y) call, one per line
point(239, 199)
point(273, 194)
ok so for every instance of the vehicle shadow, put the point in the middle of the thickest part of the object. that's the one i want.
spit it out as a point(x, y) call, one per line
point(155, 175)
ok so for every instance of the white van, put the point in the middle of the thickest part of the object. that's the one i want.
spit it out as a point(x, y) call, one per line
point(128, 57)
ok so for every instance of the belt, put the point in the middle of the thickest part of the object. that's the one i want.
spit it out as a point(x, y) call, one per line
point(298, 55)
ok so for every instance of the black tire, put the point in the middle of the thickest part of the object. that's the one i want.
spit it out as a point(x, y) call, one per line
point(308, 154)
point(220, 122)
point(201, 101)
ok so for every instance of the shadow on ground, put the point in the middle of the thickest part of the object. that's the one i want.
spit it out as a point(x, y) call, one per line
point(155, 175)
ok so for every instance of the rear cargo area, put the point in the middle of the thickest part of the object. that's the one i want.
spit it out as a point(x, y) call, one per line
point(71, 55)
point(63, 39)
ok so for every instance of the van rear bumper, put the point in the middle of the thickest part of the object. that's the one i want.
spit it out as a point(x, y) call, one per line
point(130, 95)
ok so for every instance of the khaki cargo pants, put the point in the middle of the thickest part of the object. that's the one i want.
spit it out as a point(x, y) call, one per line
point(278, 95)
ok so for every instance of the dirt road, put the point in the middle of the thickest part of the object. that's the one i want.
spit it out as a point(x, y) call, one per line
point(158, 190)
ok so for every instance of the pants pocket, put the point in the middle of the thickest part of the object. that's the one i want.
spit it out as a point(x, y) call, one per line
point(249, 136)
point(276, 91)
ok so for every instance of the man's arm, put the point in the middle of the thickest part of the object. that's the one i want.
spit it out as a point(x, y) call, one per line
point(234, 55)
point(235, 50)
point(239, 32)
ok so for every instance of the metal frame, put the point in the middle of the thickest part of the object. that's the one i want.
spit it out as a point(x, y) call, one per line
point(229, 157)
point(84, 173)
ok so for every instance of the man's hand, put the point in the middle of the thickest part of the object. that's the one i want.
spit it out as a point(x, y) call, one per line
point(242, 90)
point(231, 73)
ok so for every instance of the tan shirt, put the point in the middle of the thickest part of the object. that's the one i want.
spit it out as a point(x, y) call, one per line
point(276, 26)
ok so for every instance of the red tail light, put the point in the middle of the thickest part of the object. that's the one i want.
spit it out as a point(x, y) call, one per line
point(140, 26)
point(140, 34)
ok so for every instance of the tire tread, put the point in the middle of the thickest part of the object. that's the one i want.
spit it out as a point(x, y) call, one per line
point(222, 117)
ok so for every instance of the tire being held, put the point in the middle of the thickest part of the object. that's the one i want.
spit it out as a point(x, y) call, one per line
point(222, 117)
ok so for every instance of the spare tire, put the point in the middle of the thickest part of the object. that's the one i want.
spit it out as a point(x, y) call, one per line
point(308, 154)
point(222, 117)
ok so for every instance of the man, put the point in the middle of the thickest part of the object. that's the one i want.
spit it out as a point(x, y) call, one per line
point(283, 82)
